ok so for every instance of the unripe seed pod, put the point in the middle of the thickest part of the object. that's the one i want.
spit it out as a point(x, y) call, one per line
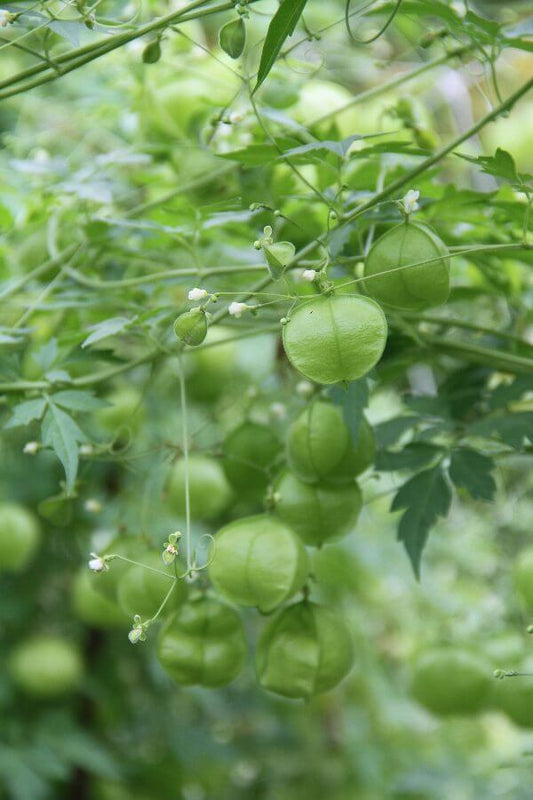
point(249, 451)
point(335, 338)
point(92, 608)
point(451, 681)
point(523, 576)
point(304, 650)
point(357, 458)
point(209, 490)
point(191, 327)
point(278, 256)
point(258, 561)
point(203, 643)
point(141, 591)
point(232, 37)
point(514, 696)
point(318, 513)
point(20, 534)
point(46, 666)
point(403, 286)
point(317, 441)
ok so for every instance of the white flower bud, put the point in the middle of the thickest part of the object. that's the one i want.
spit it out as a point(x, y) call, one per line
point(197, 294)
point(309, 275)
point(92, 505)
point(5, 17)
point(97, 563)
point(236, 309)
point(304, 388)
point(30, 448)
point(409, 202)
point(86, 450)
point(278, 411)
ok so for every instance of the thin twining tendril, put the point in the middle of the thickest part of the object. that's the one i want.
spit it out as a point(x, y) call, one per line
point(381, 30)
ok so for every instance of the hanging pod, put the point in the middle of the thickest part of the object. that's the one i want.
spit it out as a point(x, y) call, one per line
point(449, 680)
point(249, 451)
point(514, 696)
point(335, 338)
point(317, 441)
point(258, 561)
point(304, 650)
point(141, 591)
point(209, 490)
point(20, 535)
point(92, 608)
point(106, 583)
point(403, 286)
point(191, 327)
point(357, 458)
point(318, 513)
point(202, 643)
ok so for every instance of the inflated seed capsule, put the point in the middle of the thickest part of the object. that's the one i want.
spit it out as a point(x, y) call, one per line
point(191, 327)
point(202, 643)
point(258, 561)
point(391, 272)
point(304, 650)
point(317, 441)
point(335, 338)
point(320, 512)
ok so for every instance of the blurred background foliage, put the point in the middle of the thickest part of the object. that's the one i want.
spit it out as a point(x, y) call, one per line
point(115, 172)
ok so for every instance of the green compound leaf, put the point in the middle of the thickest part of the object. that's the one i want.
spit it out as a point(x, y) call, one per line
point(61, 433)
point(425, 497)
point(352, 400)
point(281, 26)
point(26, 412)
point(471, 470)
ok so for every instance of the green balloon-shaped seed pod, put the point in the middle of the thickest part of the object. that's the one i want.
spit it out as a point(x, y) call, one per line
point(203, 643)
point(413, 287)
point(20, 535)
point(92, 608)
point(357, 458)
point(304, 650)
point(191, 327)
point(335, 338)
point(449, 681)
point(249, 451)
point(318, 513)
point(46, 666)
point(514, 696)
point(523, 576)
point(141, 591)
point(258, 561)
point(317, 440)
point(209, 490)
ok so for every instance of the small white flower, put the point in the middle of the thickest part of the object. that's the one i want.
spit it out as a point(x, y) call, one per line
point(97, 563)
point(30, 448)
point(304, 388)
point(236, 309)
point(92, 505)
point(86, 450)
point(278, 411)
point(409, 202)
point(459, 8)
point(309, 275)
point(5, 17)
point(236, 116)
point(197, 294)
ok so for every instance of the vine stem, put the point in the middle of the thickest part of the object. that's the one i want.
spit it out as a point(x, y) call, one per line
point(429, 162)
point(83, 55)
point(185, 450)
